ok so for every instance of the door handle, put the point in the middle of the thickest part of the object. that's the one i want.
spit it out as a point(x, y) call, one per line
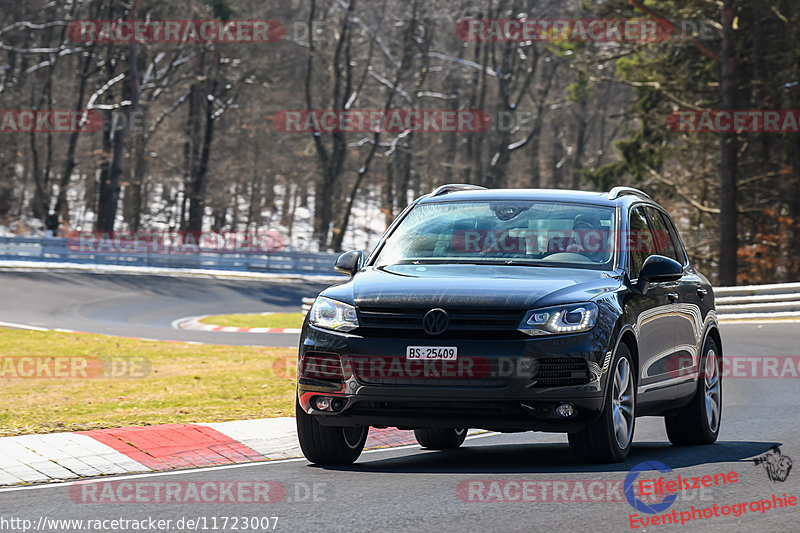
point(673, 297)
point(702, 293)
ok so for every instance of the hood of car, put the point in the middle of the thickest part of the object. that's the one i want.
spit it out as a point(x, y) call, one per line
point(472, 286)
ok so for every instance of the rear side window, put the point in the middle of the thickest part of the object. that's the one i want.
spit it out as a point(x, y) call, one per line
point(662, 240)
point(640, 242)
point(683, 257)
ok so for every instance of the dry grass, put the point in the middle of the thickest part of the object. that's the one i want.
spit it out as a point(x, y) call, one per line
point(184, 383)
point(272, 320)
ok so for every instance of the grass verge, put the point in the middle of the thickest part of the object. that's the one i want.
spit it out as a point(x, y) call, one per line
point(181, 383)
point(273, 320)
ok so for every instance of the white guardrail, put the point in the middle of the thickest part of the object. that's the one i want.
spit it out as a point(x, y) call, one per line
point(307, 303)
point(753, 302)
point(59, 250)
point(778, 301)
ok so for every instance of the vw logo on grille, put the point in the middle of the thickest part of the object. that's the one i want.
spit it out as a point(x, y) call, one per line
point(435, 321)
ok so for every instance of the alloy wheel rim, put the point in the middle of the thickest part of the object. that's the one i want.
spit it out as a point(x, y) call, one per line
point(622, 403)
point(712, 391)
point(352, 436)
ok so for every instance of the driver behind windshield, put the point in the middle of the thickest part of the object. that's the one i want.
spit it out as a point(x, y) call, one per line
point(589, 237)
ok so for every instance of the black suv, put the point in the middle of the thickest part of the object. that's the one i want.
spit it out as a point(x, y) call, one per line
point(513, 310)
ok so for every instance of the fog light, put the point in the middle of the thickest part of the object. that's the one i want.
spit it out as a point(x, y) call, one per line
point(565, 410)
point(322, 403)
point(337, 404)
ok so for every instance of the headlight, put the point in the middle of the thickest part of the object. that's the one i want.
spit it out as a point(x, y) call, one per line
point(574, 318)
point(331, 314)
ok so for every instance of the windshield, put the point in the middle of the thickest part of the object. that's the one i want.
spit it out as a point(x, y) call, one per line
point(504, 232)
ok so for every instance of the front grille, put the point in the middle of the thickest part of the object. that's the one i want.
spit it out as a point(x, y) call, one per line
point(466, 372)
point(560, 371)
point(460, 319)
point(441, 383)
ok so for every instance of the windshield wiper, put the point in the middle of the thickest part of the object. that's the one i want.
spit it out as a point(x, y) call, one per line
point(512, 262)
point(496, 261)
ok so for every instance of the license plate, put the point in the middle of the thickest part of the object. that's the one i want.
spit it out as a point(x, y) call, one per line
point(431, 352)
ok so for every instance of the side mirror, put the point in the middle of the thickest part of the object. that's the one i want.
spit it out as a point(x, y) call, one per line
point(658, 268)
point(349, 262)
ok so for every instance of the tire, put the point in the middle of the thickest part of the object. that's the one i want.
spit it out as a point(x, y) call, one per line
point(700, 420)
point(600, 441)
point(440, 439)
point(325, 445)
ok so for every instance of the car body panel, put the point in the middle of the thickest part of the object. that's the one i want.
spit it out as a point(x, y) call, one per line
point(666, 326)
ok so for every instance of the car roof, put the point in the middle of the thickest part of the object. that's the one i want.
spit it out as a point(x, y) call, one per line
point(549, 195)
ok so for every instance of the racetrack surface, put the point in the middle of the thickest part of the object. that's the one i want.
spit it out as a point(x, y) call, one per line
point(145, 305)
point(408, 489)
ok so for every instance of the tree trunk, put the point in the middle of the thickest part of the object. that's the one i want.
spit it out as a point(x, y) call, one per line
point(135, 197)
point(331, 162)
point(110, 187)
point(199, 185)
point(70, 164)
point(728, 219)
point(580, 143)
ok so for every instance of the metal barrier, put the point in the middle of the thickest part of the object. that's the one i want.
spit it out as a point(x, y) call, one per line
point(52, 249)
point(307, 303)
point(748, 302)
point(777, 301)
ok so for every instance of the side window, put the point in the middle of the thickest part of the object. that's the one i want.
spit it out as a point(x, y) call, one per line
point(640, 242)
point(662, 240)
point(683, 257)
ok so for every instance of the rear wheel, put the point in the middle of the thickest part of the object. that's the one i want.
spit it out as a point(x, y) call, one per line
point(608, 439)
point(325, 445)
point(699, 421)
point(440, 439)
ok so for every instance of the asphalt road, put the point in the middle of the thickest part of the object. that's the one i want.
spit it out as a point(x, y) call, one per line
point(144, 305)
point(408, 489)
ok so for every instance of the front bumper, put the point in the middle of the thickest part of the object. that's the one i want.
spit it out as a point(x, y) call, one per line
point(494, 384)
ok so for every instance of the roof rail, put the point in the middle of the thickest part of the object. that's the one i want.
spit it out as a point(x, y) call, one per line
point(451, 187)
point(616, 192)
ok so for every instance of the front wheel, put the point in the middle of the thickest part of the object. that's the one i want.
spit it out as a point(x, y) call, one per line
point(440, 439)
point(325, 445)
point(608, 438)
point(699, 421)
